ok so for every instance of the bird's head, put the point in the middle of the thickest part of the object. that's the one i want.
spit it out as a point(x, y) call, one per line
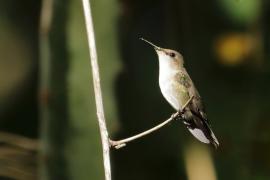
point(168, 57)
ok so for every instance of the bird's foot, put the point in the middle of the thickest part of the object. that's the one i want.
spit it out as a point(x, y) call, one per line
point(174, 115)
point(178, 115)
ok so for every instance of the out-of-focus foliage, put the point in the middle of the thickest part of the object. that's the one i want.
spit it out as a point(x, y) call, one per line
point(242, 11)
point(18, 156)
point(199, 164)
point(18, 66)
point(226, 48)
point(233, 49)
point(12, 42)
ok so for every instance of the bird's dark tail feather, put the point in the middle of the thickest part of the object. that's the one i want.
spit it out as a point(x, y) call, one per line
point(212, 138)
point(201, 130)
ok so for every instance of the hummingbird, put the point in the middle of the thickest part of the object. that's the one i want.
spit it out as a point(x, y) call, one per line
point(178, 89)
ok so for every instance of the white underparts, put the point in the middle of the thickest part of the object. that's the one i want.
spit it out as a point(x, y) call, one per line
point(197, 133)
point(166, 76)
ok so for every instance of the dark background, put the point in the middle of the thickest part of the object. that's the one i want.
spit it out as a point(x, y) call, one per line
point(46, 91)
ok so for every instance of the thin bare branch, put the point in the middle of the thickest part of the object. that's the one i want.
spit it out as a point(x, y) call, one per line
point(121, 143)
point(97, 88)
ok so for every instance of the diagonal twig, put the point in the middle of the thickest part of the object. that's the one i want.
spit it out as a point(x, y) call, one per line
point(121, 143)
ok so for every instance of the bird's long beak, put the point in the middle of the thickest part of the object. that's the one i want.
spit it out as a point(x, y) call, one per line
point(155, 46)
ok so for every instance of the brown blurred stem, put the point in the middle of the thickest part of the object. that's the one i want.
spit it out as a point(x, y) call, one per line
point(19, 141)
point(53, 88)
point(97, 88)
point(121, 143)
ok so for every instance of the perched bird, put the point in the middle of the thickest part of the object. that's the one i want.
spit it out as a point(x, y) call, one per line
point(179, 90)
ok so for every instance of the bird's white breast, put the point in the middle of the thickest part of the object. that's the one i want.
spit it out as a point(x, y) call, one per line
point(166, 78)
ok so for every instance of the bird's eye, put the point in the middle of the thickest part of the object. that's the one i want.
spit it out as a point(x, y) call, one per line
point(172, 54)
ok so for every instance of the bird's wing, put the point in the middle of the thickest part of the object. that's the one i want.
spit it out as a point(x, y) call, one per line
point(185, 81)
point(196, 105)
point(180, 90)
point(197, 121)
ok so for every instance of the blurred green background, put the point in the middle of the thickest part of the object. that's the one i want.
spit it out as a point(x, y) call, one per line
point(48, 125)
